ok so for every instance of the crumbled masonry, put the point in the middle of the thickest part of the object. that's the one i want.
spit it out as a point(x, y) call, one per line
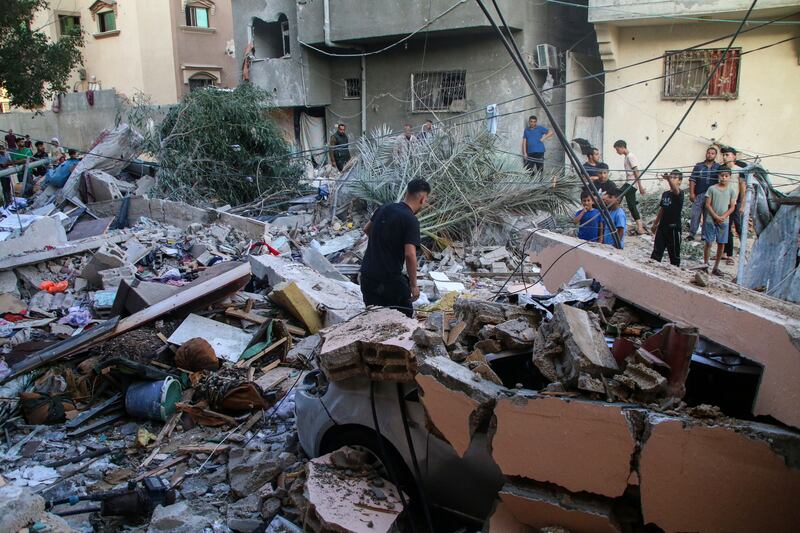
point(166, 367)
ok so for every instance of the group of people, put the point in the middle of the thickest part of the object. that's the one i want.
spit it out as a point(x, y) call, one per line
point(18, 149)
point(716, 192)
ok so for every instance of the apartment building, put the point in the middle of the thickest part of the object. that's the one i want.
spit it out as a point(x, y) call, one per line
point(654, 69)
point(375, 63)
point(163, 48)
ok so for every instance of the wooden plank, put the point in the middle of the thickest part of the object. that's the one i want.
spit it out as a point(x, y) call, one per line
point(247, 362)
point(84, 229)
point(204, 448)
point(294, 330)
point(244, 315)
point(270, 366)
point(273, 378)
point(157, 471)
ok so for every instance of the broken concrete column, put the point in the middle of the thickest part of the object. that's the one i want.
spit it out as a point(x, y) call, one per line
point(377, 344)
point(577, 444)
point(572, 343)
point(340, 300)
point(719, 478)
point(456, 404)
point(747, 322)
point(540, 507)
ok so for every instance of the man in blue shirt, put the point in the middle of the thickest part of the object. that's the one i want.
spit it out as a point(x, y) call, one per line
point(704, 175)
point(533, 145)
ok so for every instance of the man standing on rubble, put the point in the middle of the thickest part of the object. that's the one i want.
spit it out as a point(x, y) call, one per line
point(704, 175)
point(393, 240)
point(339, 147)
point(533, 145)
point(632, 179)
point(738, 182)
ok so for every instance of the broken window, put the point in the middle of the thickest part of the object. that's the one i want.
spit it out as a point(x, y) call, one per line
point(197, 16)
point(68, 24)
point(438, 91)
point(685, 72)
point(200, 81)
point(271, 39)
point(352, 88)
point(106, 21)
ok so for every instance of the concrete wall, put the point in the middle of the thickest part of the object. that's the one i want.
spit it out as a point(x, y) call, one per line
point(756, 122)
point(77, 125)
point(348, 18)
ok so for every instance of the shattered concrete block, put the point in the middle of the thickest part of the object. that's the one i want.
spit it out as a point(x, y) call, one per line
point(720, 478)
point(42, 232)
point(314, 259)
point(747, 322)
point(570, 343)
point(517, 334)
point(426, 338)
point(289, 296)
point(377, 344)
point(577, 444)
point(541, 507)
point(107, 257)
point(478, 313)
point(497, 255)
point(245, 515)
point(178, 518)
point(249, 470)
point(341, 300)
point(455, 403)
point(643, 381)
point(19, 507)
point(113, 277)
point(8, 283)
point(589, 384)
point(502, 521)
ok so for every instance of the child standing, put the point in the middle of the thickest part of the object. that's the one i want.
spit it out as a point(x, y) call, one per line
point(611, 199)
point(720, 203)
point(588, 219)
point(667, 227)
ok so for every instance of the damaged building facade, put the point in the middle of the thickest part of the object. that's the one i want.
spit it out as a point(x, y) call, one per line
point(657, 36)
point(300, 53)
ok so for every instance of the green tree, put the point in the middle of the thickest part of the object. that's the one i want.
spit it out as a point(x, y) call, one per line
point(32, 68)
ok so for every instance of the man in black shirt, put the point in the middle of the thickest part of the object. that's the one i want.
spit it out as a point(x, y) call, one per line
point(667, 227)
point(339, 147)
point(393, 240)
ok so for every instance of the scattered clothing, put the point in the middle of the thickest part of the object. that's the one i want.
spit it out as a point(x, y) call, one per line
point(58, 176)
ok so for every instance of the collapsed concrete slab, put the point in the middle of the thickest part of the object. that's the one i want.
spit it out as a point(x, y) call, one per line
point(340, 300)
point(579, 445)
point(377, 344)
point(477, 314)
point(456, 404)
point(570, 344)
point(41, 233)
point(752, 324)
point(540, 507)
point(719, 478)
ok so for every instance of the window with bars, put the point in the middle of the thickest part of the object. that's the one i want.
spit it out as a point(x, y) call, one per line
point(438, 91)
point(686, 71)
point(352, 88)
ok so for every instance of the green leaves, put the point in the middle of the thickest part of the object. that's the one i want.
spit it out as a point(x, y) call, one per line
point(32, 68)
point(216, 146)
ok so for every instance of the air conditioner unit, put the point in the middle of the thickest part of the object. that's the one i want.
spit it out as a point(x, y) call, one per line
point(546, 57)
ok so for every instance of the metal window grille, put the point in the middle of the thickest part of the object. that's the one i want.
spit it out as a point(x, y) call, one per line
point(438, 91)
point(352, 88)
point(685, 72)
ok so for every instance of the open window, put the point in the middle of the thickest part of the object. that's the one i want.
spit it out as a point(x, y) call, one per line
point(197, 16)
point(68, 25)
point(272, 39)
point(201, 80)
